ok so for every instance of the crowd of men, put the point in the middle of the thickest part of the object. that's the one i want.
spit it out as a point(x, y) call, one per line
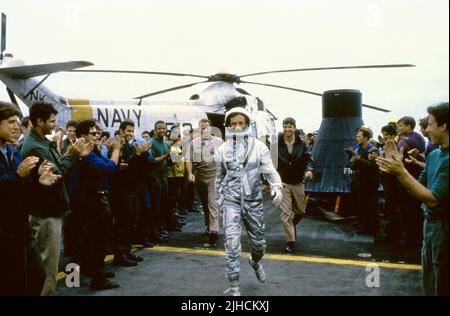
point(95, 194)
point(402, 211)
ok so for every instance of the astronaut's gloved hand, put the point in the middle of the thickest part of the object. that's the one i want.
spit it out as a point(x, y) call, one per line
point(277, 196)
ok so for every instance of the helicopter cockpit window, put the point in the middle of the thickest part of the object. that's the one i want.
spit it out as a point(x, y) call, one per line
point(169, 126)
point(240, 90)
point(260, 104)
point(174, 132)
point(187, 126)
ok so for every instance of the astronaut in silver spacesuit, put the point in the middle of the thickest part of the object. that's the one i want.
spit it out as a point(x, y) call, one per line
point(240, 161)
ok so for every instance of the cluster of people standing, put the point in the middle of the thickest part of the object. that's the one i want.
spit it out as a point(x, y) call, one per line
point(96, 194)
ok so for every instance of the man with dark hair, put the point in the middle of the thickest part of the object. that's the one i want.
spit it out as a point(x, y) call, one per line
point(159, 187)
point(390, 192)
point(176, 172)
point(411, 215)
point(103, 138)
point(20, 266)
point(201, 170)
point(25, 125)
point(432, 189)
point(49, 204)
point(125, 183)
point(241, 160)
point(90, 205)
point(289, 121)
point(414, 156)
point(389, 131)
point(365, 180)
point(294, 165)
point(205, 121)
point(123, 129)
point(404, 122)
point(408, 139)
point(310, 140)
point(423, 123)
point(105, 134)
point(70, 133)
point(145, 135)
point(25, 128)
point(43, 111)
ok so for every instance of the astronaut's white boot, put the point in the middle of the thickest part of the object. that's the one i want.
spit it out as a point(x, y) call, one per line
point(234, 289)
point(259, 271)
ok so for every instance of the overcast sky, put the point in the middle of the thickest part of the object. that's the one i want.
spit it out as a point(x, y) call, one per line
point(204, 37)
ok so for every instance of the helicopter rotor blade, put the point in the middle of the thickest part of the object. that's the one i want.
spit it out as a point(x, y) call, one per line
point(329, 68)
point(274, 117)
point(3, 36)
point(13, 99)
point(376, 108)
point(139, 72)
point(170, 89)
point(313, 93)
point(282, 87)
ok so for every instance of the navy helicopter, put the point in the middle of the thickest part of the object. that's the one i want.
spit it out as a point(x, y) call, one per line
point(223, 92)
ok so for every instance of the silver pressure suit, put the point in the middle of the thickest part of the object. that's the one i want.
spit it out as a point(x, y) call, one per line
point(240, 161)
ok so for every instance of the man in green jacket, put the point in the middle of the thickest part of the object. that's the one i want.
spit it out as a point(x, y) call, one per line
point(48, 204)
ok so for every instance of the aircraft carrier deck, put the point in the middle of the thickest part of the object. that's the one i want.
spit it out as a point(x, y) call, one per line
point(329, 260)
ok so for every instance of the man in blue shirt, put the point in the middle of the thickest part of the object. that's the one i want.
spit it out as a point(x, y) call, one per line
point(365, 181)
point(432, 189)
point(20, 270)
point(90, 205)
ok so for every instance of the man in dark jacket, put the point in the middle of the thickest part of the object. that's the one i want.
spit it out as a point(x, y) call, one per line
point(410, 211)
point(20, 269)
point(390, 192)
point(294, 165)
point(433, 190)
point(49, 203)
point(90, 205)
point(125, 184)
point(365, 181)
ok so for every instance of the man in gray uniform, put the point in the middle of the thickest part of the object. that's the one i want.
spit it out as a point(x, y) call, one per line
point(201, 158)
point(240, 160)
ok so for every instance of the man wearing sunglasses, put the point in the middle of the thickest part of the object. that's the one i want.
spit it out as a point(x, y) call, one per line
point(91, 214)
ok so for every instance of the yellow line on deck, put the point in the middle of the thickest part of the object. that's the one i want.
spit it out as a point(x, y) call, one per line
point(269, 256)
point(293, 258)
